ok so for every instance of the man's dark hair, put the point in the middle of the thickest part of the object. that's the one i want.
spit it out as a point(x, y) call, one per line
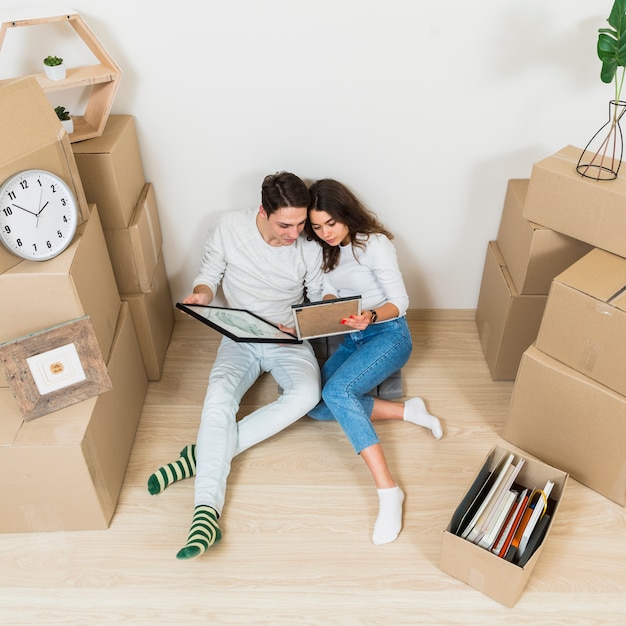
point(283, 189)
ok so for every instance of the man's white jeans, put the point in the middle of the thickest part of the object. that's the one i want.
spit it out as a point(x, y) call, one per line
point(236, 368)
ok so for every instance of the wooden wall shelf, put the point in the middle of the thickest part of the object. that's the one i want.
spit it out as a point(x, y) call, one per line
point(102, 79)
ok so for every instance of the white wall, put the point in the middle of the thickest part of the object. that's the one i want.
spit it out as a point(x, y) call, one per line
point(425, 109)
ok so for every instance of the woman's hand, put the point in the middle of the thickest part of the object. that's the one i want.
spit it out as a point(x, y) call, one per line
point(358, 322)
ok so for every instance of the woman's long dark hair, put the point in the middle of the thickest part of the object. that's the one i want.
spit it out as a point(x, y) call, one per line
point(344, 207)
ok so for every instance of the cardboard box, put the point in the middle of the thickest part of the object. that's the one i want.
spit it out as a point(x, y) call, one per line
point(64, 471)
point(569, 420)
point(135, 250)
point(533, 254)
point(584, 323)
point(153, 316)
point(39, 294)
point(111, 170)
point(7, 259)
point(33, 138)
point(481, 569)
point(585, 209)
point(507, 321)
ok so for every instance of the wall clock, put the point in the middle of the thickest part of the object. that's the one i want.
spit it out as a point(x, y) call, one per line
point(38, 215)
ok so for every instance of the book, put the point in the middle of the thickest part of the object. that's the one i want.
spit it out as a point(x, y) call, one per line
point(471, 501)
point(506, 536)
point(535, 540)
point(493, 529)
point(540, 508)
point(503, 490)
point(535, 506)
point(484, 522)
point(494, 480)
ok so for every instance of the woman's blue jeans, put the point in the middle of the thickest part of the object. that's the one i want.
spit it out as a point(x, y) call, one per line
point(364, 360)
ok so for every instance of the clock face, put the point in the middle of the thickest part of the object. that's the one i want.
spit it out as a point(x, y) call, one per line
point(38, 215)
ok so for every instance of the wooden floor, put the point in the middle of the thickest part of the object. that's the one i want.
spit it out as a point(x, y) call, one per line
point(299, 515)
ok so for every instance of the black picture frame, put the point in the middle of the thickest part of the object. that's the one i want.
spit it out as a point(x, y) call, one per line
point(239, 325)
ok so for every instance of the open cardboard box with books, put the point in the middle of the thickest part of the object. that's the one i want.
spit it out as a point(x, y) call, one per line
point(484, 521)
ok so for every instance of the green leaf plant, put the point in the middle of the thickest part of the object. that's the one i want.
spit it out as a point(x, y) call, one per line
point(606, 159)
point(612, 47)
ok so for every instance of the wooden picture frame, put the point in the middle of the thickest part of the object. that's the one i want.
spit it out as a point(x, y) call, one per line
point(323, 318)
point(54, 368)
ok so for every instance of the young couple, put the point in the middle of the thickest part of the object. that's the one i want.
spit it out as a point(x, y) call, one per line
point(264, 262)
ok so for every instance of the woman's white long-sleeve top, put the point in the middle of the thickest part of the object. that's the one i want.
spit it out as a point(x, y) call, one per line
point(371, 272)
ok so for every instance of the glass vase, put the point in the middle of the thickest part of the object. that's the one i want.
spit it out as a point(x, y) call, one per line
point(602, 156)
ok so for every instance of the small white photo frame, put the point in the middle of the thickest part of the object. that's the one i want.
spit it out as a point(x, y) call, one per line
point(56, 369)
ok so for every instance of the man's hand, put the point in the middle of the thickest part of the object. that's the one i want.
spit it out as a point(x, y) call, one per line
point(198, 298)
point(286, 329)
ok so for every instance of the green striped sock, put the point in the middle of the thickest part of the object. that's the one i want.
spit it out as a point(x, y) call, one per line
point(183, 467)
point(204, 532)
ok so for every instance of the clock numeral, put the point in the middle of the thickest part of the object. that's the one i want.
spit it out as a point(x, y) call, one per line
point(7, 211)
point(7, 229)
point(63, 201)
point(24, 184)
point(60, 234)
point(48, 244)
point(12, 195)
point(35, 247)
point(19, 243)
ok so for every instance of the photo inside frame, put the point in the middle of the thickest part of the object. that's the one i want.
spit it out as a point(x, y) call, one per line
point(323, 318)
point(238, 324)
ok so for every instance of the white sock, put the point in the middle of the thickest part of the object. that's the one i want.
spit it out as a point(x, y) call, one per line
point(389, 521)
point(416, 413)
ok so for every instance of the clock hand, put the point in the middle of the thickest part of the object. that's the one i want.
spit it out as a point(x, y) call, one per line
point(23, 209)
point(42, 208)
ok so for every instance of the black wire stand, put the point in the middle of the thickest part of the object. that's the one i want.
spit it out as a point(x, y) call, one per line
point(602, 156)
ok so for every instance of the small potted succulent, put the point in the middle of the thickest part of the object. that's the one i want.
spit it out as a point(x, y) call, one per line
point(66, 119)
point(54, 68)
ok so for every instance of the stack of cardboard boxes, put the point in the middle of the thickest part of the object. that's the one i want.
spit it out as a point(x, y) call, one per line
point(112, 174)
point(569, 400)
point(552, 316)
point(519, 268)
point(63, 471)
